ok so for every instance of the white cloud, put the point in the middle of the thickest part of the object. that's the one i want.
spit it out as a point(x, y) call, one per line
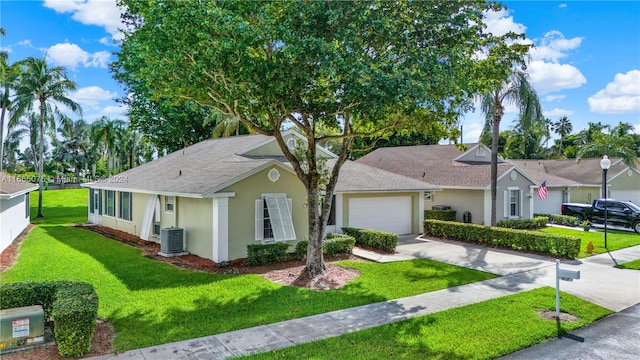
point(71, 56)
point(92, 96)
point(562, 6)
point(500, 22)
point(620, 96)
point(636, 129)
point(552, 98)
point(549, 77)
point(554, 46)
point(472, 131)
point(102, 13)
point(114, 111)
point(558, 112)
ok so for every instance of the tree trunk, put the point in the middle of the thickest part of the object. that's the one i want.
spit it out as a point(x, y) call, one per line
point(41, 162)
point(494, 167)
point(315, 258)
point(2, 136)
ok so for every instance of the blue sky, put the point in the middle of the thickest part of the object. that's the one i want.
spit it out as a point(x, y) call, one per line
point(586, 64)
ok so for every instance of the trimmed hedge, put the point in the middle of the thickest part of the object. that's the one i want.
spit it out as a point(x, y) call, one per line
point(333, 244)
point(528, 241)
point(561, 219)
point(263, 254)
point(381, 240)
point(445, 215)
point(535, 223)
point(73, 306)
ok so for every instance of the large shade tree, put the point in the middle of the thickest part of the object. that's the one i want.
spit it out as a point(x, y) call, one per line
point(515, 90)
point(357, 67)
point(46, 87)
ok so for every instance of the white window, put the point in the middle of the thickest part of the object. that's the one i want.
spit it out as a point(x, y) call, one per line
point(126, 202)
point(513, 203)
point(111, 203)
point(273, 218)
point(169, 203)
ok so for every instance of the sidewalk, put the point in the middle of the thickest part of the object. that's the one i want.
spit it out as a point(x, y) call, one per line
point(600, 283)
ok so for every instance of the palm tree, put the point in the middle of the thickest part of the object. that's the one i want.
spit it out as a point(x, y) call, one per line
point(74, 146)
point(563, 128)
point(516, 90)
point(8, 74)
point(46, 86)
point(108, 132)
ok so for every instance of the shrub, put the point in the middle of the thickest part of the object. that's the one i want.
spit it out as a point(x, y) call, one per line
point(535, 223)
point(333, 244)
point(445, 215)
point(564, 220)
point(529, 241)
point(381, 240)
point(73, 306)
point(263, 254)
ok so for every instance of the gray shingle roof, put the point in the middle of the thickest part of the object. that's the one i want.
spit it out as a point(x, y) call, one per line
point(10, 185)
point(536, 169)
point(433, 164)
point(213, 164)
point(586, 171)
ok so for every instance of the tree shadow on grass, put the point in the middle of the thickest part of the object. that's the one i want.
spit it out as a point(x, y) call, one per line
point(126, 263)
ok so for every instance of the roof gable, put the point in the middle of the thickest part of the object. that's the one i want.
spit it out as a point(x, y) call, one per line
point(270, 147)
point(480, 153)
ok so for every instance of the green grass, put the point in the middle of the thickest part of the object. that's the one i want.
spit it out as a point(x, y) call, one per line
point(484, 330)
point(631, 265)
point(69, 206)
point(151, 303)
point(616, 240)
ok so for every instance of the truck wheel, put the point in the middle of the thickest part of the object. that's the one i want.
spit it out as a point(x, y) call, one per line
point(636, 227)
point(580, 218)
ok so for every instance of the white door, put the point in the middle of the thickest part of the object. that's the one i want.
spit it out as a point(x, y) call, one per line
point(97, 207)
point(626, 195)
point(392, 214)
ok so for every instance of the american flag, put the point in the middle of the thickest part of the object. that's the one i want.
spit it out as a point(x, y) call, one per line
point(542, 191)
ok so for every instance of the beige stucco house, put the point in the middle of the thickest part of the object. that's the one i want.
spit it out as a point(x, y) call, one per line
point(228, 193)
point(464, 178)
point(14, 208)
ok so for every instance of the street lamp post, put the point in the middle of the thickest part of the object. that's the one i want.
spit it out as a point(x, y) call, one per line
point(605, 163)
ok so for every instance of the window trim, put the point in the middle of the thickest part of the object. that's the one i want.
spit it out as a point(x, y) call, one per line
point(167, 203)
point(508, 203)
point(27, 203)
point(121, 203)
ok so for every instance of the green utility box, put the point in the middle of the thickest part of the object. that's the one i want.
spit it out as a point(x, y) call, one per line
point(20, 327)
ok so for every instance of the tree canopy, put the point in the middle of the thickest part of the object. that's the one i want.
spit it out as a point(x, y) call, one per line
point(361, 68)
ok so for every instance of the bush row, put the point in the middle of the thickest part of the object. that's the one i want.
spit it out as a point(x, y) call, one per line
point(529, 241)
point(73, 306)
point(381, 240)
point(333, 244)
point(445, 215)
point(561, 219)
point(535, 223)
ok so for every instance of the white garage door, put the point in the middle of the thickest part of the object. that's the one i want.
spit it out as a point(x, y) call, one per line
point(632, 195)
point(391, 214)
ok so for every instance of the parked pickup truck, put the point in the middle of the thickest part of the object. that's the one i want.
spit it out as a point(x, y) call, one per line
point(619, 213)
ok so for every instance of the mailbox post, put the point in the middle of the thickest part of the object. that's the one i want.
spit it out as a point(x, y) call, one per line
point(566, 275)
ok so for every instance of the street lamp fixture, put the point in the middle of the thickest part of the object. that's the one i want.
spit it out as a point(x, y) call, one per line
point(605, 164)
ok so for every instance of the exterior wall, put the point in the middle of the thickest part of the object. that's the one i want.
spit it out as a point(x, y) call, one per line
point(133, 226)
point(242, 207)
point(416, 198)
point(460, 200)
point(523, 184)
point(626, 186)
point(479, 154)
point(585, 194)
point(13, 220)
point(195, 217)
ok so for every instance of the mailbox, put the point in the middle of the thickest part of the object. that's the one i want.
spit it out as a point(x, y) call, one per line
point(568, 275)
point(20, 327)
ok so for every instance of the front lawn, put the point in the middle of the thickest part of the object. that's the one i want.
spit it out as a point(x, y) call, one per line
point(632, 265)
point(616, 239)
point(484, 330)
point(152, 303)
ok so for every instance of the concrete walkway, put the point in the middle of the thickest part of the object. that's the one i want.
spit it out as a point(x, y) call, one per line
point(602, 284)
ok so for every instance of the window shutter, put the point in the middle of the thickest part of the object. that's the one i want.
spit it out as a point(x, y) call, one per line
point(506, 204)
point(520, 193)
point(91, 201)
point(259, 220)
point(100, 194)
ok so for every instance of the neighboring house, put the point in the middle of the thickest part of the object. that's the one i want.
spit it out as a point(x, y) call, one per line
point(623, 182)
point(464, 177)
point(231, 192)
point(14, 208)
